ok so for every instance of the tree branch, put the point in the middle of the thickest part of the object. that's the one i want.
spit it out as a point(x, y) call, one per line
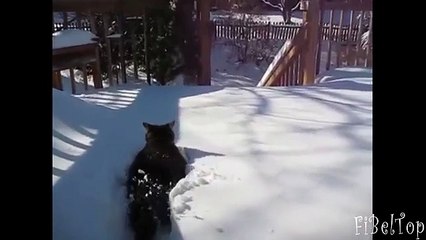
point(278, 6)
point(296, 7)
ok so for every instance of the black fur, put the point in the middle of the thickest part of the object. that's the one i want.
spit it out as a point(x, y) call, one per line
point(154, 172)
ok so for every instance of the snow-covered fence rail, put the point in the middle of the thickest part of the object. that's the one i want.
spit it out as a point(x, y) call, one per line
point(278, 31)
point(256, 30)
point(83, 25)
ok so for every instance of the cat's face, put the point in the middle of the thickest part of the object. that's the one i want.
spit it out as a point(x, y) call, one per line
point(159, 133)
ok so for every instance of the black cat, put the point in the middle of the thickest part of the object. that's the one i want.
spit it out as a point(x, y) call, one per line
point(154, 172)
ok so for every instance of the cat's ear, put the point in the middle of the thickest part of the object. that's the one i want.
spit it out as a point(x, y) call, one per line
point(145, 125)
point(171, 124)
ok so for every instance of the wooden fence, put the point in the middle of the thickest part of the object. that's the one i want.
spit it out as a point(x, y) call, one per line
point(83, 25)
point(256, 30)
point(278, 31)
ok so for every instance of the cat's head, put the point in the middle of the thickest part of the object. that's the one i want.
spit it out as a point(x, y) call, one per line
point(162, 134)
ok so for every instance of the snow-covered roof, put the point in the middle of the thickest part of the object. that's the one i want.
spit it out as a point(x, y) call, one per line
point(72, 37)
point(106, 5)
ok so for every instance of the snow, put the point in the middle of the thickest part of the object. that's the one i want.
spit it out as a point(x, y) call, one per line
point(227, 71)
point(289, 163)
point(72, 37)
point(117, 35)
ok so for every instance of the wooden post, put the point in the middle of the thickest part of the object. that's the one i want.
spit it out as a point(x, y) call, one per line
point(269, 31)
point(92, 20)
point(145, 46)
point(319, 49)
point(120, 20)
point(78, 20)
point(358, 39)
point(108, 47)
point(304, 16)
point(340, 40)
point(369, 57)
point(299, 69)
point(84, 69)
point(72, 79)
point(65, 22)
point(53, 23)
point(205, 77)
point(312, 18)
point(56, 80)
point(97, 77)
point(329, 40)
point(135, 60)
point(349, 42)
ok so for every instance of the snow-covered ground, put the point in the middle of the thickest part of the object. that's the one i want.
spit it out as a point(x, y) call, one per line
point(268, 163)
point(227, 71)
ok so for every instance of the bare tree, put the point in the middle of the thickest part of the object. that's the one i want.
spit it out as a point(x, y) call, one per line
point(285, 6)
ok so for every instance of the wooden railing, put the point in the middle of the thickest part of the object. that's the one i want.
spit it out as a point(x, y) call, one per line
point(298, 62)
point(106, 40)
point(347, 51)
point(287, 67)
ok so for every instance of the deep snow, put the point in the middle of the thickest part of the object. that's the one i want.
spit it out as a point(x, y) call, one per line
point(268, 163)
